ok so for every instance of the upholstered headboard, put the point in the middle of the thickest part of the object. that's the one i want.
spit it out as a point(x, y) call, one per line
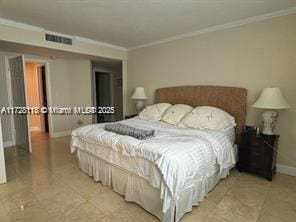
point(231, 99)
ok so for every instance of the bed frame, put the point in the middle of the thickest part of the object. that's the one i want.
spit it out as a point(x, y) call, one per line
point(131, 186)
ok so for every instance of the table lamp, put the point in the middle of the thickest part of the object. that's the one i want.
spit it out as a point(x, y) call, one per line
point(140, 96)
point(270, 99)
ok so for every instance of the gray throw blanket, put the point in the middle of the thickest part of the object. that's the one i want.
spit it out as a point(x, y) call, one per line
point(129, 131)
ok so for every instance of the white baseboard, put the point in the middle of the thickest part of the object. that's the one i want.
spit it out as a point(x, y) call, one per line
point(61, 134)
point(7, 144)
point(286, 169)
point(35, 129)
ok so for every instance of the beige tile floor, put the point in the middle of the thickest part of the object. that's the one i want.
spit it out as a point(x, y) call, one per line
point(48, 186)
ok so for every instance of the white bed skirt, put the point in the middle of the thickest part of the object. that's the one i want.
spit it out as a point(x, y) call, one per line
point(137, 189)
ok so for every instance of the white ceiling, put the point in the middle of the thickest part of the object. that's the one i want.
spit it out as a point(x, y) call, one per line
point(130, 23)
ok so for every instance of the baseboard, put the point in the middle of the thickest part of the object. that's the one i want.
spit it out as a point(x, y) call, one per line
point(286, 169)
point(35, 129)
point(61, 134)
point(7, 144)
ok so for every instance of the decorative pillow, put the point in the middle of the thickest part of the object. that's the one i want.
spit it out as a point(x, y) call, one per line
point(176, 113)
point(123, 129)
point(207, 117)
point(154, 112)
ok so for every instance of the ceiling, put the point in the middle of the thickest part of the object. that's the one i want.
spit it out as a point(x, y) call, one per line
point(130, 23)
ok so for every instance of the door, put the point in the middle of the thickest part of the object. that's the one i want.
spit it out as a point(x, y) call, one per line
point(18, 91)
point(104, 94)
point(2, 160)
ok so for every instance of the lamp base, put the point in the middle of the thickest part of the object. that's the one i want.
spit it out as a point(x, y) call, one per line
point(269, 118)
point(139, 106)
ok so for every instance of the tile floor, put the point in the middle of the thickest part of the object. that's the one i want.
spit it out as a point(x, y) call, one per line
point(48, 186)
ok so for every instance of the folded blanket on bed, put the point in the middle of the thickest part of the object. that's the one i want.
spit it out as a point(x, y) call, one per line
point(129, 131)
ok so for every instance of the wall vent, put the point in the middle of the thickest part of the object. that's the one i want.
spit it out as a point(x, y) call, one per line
point(58, 39)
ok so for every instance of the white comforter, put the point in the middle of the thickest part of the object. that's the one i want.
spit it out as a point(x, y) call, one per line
point(183, 156)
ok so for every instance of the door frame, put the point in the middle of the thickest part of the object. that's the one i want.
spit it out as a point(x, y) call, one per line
point(94, 96)
point(9, 90)
point(41, 96)
point(3, 178)
point(48, 88)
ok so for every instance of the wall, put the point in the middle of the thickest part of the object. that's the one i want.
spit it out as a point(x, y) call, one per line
point(35, 36)
point(70, 84)
point(118, 102)
point(80, 88)
point(19, 33)
point(252, 56)
point(32, 82)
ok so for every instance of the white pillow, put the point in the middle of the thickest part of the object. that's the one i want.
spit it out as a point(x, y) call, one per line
point(176, 113)
point(154, 112)
point(207, 117)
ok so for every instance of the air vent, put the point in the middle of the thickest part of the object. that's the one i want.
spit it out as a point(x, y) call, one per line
point(58, 39)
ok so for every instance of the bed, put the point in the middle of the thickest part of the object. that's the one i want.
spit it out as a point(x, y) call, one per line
point(165, 174)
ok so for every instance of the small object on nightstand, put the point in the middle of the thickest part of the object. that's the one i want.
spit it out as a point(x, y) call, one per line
point(251, 129)
point(257, 154)
point(130, 116)
point(140, 96)
point(257, 131)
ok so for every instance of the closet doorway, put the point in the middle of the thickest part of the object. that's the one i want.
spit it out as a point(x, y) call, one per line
point(104, 94)
point(107, 89)
point(37, 96)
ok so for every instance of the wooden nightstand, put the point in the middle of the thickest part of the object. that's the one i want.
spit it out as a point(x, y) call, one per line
point(130, 116)
point(257, 154)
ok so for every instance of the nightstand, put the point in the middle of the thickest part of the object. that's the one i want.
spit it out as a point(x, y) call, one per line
point(130, 116)
point(257, 154)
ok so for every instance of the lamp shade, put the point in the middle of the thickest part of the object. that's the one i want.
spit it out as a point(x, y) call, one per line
point(271, 98)
point(139, 93)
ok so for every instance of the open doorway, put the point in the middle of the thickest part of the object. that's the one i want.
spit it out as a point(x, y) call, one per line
point(104, 93)
point(35, 79)
point(107, 89)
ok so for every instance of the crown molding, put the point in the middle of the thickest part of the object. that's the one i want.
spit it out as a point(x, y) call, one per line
point(288, 11)
point(24, 26)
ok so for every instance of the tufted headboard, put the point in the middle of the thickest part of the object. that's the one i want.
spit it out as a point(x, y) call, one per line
point(231, 99)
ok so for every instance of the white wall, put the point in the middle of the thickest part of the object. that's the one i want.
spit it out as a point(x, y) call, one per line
point(70, 84)
point(31, 36)
point(80, 88)
point(252, 56)
point(18, 33)
point(73, 89)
